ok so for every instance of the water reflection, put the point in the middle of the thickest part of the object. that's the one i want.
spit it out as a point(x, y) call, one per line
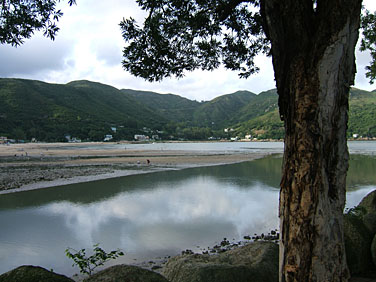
point(150, 215)
point(264, 171)
point(202, 200)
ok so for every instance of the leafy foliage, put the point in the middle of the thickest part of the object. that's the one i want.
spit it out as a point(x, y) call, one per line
point(368, 24)
point(357, 212)
point(19, 19)
point(362, 114)
point(87, 264)
point(193, 34)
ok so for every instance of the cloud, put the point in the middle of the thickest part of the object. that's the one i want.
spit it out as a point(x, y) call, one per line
point(89, 46)
point(35, 56)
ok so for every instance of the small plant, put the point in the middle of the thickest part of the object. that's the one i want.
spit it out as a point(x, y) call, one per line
point(88, 264)
point(357, 212)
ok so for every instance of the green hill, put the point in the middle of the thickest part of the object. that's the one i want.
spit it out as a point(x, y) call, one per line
point(173, 107)
point(220, 112)
point(88, 111)
point(260, 117)
point(262, 103)
point(362, 114)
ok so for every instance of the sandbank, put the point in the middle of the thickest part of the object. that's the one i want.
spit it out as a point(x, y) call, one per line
point(40, 165)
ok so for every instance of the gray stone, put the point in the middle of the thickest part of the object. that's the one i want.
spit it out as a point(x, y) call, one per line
point(126, 273)
point(373, 250)
point(29, 273)
point(369, 202)
point(357, 244)
point(254, 262)
point(369, 221)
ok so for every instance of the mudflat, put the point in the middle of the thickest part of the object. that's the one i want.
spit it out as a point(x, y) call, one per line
point(38, 165)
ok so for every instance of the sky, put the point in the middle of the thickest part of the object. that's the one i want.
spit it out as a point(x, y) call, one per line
point(89, 46)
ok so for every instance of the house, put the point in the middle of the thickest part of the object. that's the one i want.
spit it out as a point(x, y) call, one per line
point(113, 129)
point(228, 130)
point(75, 140)
point(139, 137)
point(108, 137)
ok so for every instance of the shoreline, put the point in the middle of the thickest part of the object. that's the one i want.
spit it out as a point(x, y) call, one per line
point(34, 166)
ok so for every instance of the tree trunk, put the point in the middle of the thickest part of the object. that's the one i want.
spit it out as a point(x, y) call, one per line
point(314, 64)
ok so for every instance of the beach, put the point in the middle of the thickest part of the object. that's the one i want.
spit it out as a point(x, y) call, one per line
point(40, 165)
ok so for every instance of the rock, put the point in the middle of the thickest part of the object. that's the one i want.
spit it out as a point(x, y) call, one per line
point(254, 262)
point(373, 250)
point(369, 202)
point(367, 208)
point(126, 273)
point(357, 244)
point(369, 221)
point(29, 273)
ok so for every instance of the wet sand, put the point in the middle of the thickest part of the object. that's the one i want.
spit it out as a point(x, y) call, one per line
point(39, 165)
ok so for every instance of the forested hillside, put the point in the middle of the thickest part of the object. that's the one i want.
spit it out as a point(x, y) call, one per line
point(86, 110)
point(89, 111)
point(174, 107)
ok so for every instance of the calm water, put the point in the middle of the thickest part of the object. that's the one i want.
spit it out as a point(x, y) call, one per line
point(156, 214)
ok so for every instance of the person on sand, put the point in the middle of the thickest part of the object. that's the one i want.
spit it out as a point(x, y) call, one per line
point(148, 161)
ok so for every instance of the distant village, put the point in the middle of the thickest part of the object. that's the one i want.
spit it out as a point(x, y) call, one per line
point(155, 136)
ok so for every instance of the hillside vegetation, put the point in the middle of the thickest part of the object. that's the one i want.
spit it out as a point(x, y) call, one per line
point(89, 111)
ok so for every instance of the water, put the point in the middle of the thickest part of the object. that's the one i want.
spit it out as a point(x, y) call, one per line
point(213, 147)
point(156, 214)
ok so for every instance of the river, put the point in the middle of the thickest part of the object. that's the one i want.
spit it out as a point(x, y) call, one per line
point(157, 214)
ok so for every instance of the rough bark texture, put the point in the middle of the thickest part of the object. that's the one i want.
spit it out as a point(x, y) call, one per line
point(314, 65)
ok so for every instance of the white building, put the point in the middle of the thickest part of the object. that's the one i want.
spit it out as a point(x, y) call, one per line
point(108, 137)
point(139, 137)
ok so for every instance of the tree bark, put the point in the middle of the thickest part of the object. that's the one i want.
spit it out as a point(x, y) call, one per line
point(314, 64)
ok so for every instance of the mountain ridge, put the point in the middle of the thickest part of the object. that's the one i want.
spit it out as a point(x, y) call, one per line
point(90, 110)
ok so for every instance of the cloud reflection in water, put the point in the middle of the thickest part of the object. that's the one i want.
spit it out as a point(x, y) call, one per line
point(200, 210)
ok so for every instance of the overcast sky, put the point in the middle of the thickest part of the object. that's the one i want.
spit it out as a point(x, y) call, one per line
point(89, 46)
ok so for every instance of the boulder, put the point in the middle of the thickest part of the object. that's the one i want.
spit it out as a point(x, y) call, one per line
point(29, 273)
point(126, 273)
point(373, 250)
point(367, 208)
point(254, 262)
point(357, 244)
point(369, 202)
point(369, 221)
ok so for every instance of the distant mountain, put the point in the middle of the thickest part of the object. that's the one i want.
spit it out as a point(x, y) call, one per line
point(362, 113)
point(262, 103)
point(261, 116)
point(83, 109)
point(90, 110)
point(173, 107)
point(222, 110)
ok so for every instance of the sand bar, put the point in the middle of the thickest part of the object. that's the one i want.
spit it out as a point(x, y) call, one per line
point(39, 165)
